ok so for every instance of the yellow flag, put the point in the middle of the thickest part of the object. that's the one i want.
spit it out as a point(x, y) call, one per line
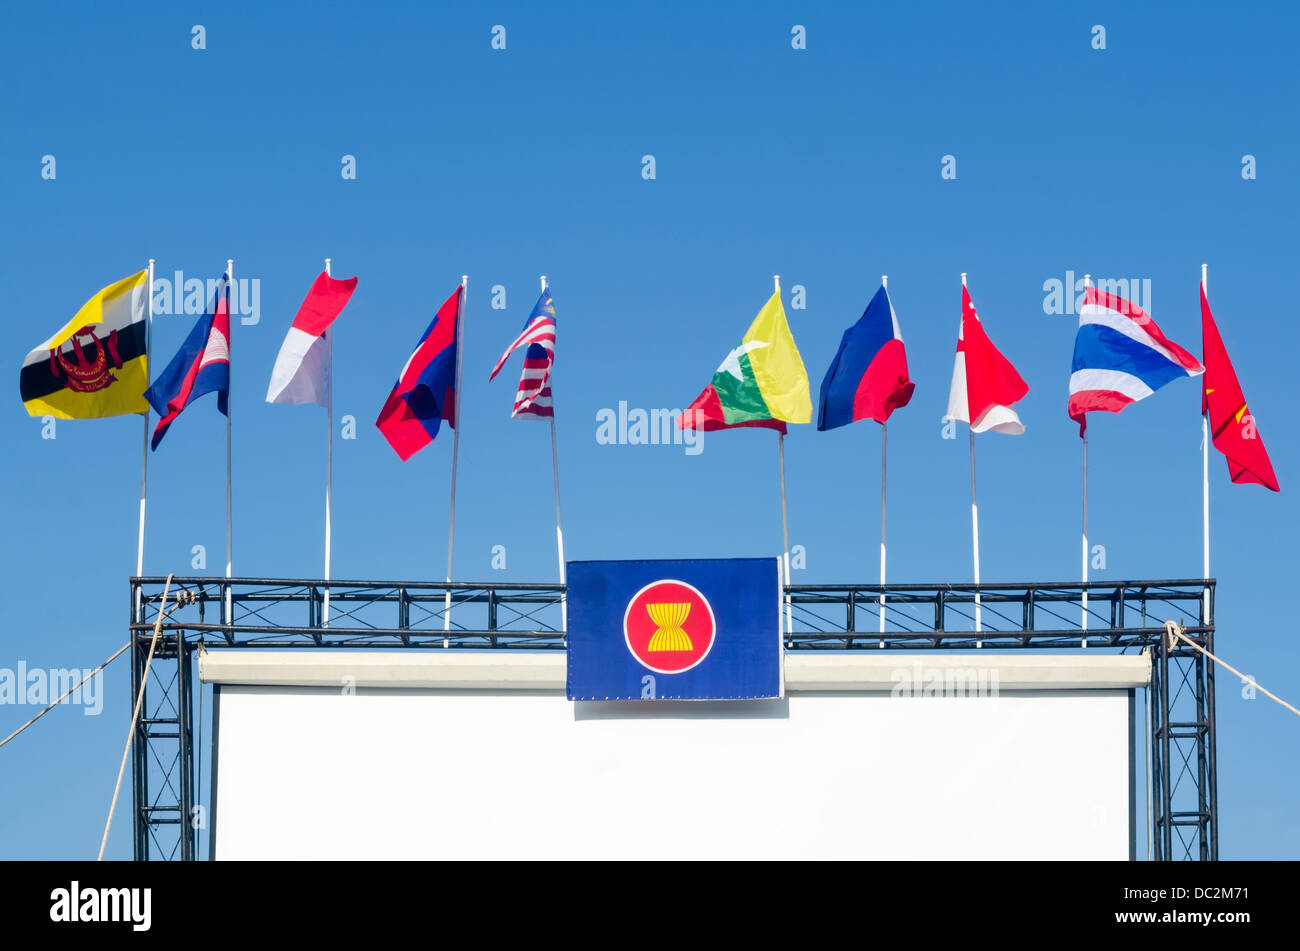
point(778, 368)
point(96, 365)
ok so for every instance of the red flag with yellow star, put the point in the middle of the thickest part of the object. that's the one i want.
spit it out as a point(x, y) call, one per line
point(1231, 424)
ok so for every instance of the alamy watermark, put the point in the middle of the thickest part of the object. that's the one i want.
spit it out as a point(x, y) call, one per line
point(182, 295)
point(641, 427)
point(921, 680)
point(1065, 297)
point(39, 687)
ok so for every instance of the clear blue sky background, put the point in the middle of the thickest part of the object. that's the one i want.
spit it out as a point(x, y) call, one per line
point(822, 165)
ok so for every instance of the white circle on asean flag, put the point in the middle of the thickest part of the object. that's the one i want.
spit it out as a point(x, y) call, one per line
point(641, 628)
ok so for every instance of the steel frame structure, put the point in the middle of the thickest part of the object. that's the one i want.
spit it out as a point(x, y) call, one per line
point(284, 613)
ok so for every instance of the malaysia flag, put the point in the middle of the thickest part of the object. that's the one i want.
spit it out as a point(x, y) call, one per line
point(868, 377)
point(1120, 357)
point(202, 365)
point(425, 392)
point(984, 383)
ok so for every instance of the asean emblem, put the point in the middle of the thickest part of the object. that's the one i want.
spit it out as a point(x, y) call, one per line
point(669, 626)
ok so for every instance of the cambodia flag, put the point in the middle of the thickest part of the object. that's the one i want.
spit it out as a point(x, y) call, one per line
point(868, 377)
point(1232, 427)
point(425, 392)
point(202, 365)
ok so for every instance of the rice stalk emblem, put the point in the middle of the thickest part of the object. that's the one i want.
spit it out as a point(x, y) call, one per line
point(668, 619)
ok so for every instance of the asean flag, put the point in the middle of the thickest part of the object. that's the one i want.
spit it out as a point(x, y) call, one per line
point(984, 383)
point(687, 629)
point(425, 392)
point(1232, 426)
point(868, 377)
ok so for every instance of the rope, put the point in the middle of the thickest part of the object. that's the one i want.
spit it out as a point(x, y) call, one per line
point(1176, 632)
point(65, 696)
point(135, 716)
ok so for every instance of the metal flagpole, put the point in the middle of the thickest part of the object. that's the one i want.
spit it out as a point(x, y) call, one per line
point(455, 452)
point(974, 516)
point(329, 452)
point(884, 435)
point(1205, 473)
point(230, 277)
point(144, 459)
point(555, 470)
point(785, 526)
point(1083, 614)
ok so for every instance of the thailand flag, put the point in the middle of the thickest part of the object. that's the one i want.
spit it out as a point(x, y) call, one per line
point(1120, 357)
point(984, 383)
point(202, 365)
point(425, 392)
point(868, 377)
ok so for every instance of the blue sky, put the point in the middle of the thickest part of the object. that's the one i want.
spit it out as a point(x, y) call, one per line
point(822, 165)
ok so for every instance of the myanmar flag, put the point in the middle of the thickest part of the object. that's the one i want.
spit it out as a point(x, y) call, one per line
point(96, 365)
point(761, 383)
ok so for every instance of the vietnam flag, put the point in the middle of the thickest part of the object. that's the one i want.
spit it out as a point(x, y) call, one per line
point(1232, 427)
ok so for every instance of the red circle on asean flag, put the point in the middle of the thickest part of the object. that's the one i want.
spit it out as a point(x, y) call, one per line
point(669, 626)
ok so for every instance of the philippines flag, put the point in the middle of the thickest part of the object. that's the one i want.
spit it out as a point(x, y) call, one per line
point(533, 398)
point(868, 377)
point(202, 365)
point(984, 383)
point(425, 392)
point(302, 370)
point(1120, 357)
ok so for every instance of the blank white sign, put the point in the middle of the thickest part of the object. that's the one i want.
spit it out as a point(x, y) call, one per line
point(312, 772)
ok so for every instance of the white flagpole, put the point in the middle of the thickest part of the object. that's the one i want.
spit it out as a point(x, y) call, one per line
point(455, 450)
point(555, 470)
point(1083, 614)
point(785, 526)
point(230, 275)
point(144, 461)
point(1205, 474)
point(329, 452)
point(884, 432)
point(974, 518)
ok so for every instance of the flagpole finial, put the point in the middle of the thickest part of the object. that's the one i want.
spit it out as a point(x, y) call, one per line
point(776, 283)
point(1087, 280)
point(963, 278)
point(327, 266)
point(464, 280)
point(543, 282)
point(1204, 272)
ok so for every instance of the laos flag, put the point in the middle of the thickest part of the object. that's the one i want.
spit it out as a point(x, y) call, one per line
point(868, 377)
point(704, 629)
point(425, 392)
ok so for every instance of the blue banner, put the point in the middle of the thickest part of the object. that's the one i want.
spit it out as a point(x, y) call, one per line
point(701, 629)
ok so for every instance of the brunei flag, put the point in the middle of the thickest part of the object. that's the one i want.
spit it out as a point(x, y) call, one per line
point(96, 365)
point(761, 383)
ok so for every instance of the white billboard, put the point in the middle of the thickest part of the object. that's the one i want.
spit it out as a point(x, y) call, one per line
point(453, 755)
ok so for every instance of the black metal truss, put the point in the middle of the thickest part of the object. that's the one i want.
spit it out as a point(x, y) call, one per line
point(292, 613)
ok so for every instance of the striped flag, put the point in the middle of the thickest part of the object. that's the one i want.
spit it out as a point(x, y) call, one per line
point(202, 365)
point(533, 398)
point(1120, 357)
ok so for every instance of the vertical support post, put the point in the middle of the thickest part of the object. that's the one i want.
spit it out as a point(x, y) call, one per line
point(230, 275)
point(455, 453)
point(1083, 614)
point(329, 456)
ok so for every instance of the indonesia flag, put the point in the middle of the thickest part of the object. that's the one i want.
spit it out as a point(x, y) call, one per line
point(302, 370)
point(984, 383)
point(1120, 357)
point(868, 377)
point(202, 365)
point(425, 392)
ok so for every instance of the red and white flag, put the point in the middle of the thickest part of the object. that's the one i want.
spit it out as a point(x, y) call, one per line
point(301, 373)
point(984, 383)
